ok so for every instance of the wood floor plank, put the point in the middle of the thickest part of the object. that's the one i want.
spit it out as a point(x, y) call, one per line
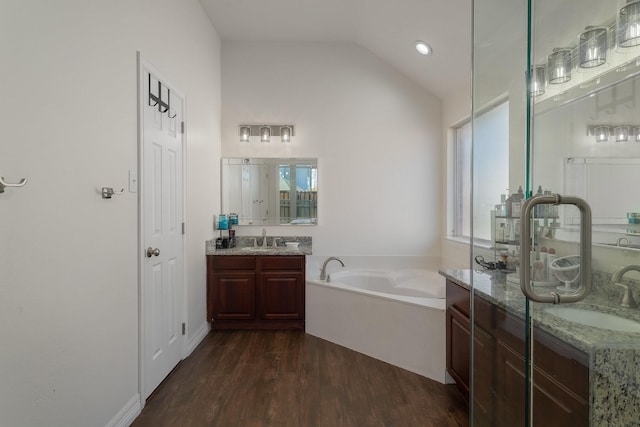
point(289, 378)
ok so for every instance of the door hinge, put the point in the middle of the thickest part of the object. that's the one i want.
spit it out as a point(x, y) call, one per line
point(183, 228)
point(182, 127)
point(184, 328)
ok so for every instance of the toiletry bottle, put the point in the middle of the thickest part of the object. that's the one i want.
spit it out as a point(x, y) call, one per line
point(545, 267)
point(538, 208)
point(516, 202)
point(223, 222)
point(551, 256)
point(502, 211)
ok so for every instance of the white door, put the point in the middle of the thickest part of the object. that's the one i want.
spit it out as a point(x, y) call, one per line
point(162, 218)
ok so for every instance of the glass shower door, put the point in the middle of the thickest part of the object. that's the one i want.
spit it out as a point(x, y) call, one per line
point(542, 354)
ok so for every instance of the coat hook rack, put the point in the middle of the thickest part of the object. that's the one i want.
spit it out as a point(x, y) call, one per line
point(108, 192)
point(4, 184)
point(163, 107)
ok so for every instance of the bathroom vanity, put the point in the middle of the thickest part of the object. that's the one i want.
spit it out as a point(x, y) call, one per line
point(256, 288)
point(500, 346)
point(573, 365)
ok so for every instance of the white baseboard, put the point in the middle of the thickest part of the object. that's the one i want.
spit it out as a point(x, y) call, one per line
point(196, 339)
point(126, 415)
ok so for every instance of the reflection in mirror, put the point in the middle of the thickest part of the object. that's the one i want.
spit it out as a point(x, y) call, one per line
point(271, 191)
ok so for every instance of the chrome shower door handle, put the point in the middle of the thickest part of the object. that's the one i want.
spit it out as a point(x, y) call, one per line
point(585, 249)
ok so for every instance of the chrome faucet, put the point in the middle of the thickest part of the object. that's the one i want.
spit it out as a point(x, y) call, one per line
point(323, 272)
point(264, 238)
point(627, 297)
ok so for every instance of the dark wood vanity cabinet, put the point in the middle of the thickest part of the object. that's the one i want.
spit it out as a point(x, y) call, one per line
point(561, 372)
point(256, 292)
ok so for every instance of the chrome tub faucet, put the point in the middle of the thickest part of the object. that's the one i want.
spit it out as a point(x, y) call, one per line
point(323, 272)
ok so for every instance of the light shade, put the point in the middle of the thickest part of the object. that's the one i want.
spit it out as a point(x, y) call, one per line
point(602, 133)
point(621, 133)
point(592, 47)
point(538, 80)
point(423, 48)
point(265, 134)
point(559, 65)
point(629, 24)
point(285, 134)
point(636, 132)
point(245, 133)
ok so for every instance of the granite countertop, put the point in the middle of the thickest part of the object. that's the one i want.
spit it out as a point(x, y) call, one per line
point(244, 246)
point(614, 357)
point(493, 287)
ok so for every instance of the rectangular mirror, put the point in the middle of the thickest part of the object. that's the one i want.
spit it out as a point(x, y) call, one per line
point(270, 191)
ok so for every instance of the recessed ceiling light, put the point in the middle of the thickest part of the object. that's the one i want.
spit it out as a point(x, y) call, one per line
point(423, 48)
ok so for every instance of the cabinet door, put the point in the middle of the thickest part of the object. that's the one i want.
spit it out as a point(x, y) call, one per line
point(281, 295)
point(232, 295)
point(484, 395)
point(556, 405)
point(458, 337)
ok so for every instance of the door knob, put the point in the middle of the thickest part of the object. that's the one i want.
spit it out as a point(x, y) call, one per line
point(151, 252)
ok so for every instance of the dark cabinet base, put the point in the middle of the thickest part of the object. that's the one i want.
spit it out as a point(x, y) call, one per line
point(256, 292)
point(560, 371)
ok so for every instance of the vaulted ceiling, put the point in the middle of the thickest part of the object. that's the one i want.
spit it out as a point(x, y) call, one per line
point(387, 28)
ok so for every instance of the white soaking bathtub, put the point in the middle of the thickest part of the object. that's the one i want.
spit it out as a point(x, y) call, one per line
point(397, 316)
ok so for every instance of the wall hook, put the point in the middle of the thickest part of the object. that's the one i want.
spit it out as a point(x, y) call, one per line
point(107, 192)
point(163, 107)
point(4, 184)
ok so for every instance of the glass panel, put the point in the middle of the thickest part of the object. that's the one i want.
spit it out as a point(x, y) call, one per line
point(571, 72)
point(498, 308)
point(582, 145)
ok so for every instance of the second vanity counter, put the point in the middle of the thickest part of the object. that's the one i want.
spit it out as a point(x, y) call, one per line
point(614, 357)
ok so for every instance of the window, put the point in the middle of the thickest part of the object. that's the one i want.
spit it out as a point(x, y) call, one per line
point(489, 152)
point(298, 193)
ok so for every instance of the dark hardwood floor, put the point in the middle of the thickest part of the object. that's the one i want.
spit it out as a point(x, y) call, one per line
point(284, 378)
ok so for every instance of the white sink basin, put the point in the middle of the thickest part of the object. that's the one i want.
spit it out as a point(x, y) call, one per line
point(257, 249)
point(595, 319)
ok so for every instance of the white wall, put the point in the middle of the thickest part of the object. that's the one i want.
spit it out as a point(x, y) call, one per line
point(376, 135)
point(68, 259)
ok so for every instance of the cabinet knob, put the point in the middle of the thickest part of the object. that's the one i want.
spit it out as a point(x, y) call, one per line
point(151, 252)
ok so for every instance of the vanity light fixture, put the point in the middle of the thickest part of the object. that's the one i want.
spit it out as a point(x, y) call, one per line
point(559, 65)
point(629, 24)
point(285, 134)
point(538, 80)
point(265, 132)
point(423, 48)
point(621, 133)
point(592, 47)
point(245, 133)
point(601, 133)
